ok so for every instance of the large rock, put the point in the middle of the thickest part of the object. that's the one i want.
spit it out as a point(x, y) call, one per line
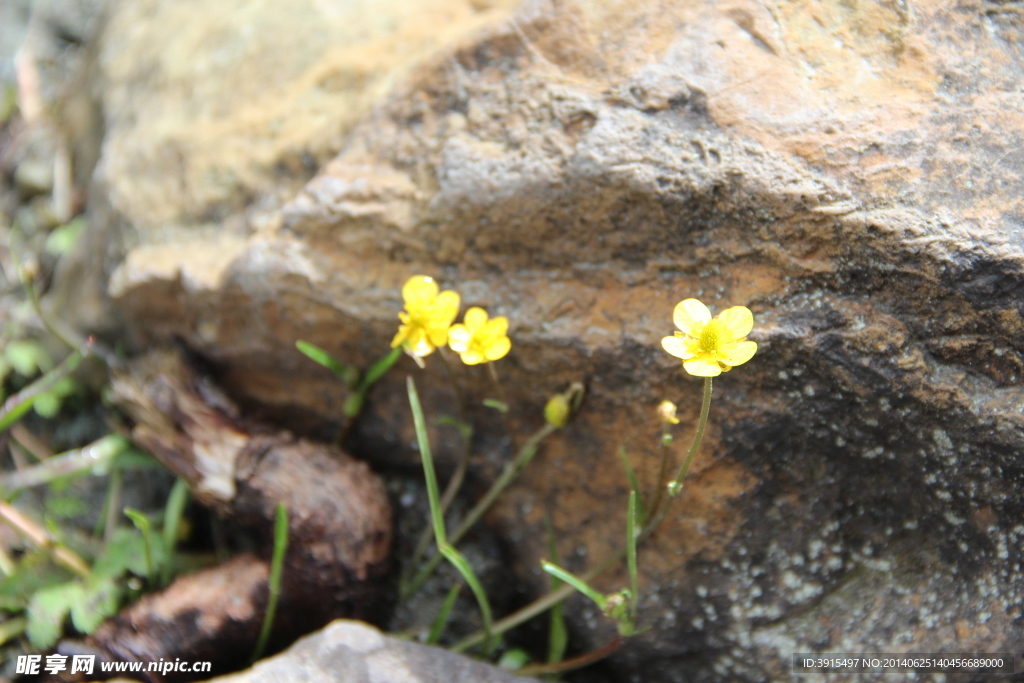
point(849, 171)
point(352, 652)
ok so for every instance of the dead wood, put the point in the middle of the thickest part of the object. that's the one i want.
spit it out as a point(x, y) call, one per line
point(339, 526)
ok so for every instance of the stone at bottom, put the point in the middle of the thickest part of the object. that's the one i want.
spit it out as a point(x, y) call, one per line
point(353, 652)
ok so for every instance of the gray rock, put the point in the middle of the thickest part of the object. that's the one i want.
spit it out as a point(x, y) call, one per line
point(353, 652)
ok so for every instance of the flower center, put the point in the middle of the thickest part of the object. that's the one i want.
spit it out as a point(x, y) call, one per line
point(708, 339)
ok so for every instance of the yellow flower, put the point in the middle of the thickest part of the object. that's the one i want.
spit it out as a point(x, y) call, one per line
point(426, 318)
point(480, 340)
point(709, 346)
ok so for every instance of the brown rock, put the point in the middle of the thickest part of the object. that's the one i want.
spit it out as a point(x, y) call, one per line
point(851, 172)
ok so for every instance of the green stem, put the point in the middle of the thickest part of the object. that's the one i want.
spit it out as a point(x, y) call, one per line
point(274, 585)
point(454, 483)
point(554, 597)
point(661, 482)
point(173, 511)
point(433, 497)
point(574, 581)
point(18, 404)
point(444, 548)
point(676, 484)
point(538, 606)
point(503, 397)
point(511, 471)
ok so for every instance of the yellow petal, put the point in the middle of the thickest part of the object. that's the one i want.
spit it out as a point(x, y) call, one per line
point(475, 318)
point(678, 347)
point(403, 332)
point(690, 315)
point(498, 326)
point(472, 357)
point(418, 344)
point(458, 338)
point(419, 290)
point(737, 353)
point(498, 349)
point(737, 322)
point(702, 367)
point(446, 306)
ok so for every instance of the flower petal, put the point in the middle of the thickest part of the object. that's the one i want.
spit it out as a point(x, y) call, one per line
point(678, 347)
point(498, 326)
point(737, 353)
point(702, 367)
point(475, 318)
point(737, 322)
point(399, 339)
point(446, 307)
point(498, 349)
point(472, 357)
point(458, 338)
point(689, 315)
point(419, 290)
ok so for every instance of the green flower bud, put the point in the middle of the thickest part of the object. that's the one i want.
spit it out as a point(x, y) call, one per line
point(557, 411)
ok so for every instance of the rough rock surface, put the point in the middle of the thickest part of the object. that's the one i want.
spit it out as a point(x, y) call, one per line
point(852, 172)
point(352, 652)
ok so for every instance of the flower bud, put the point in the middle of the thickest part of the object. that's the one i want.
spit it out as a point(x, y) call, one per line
point(556, 412)
point(667, 412)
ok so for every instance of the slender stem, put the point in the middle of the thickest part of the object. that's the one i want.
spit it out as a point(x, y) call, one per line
point(274, 581)
point(662, 481)
point(173, 510)
point(42, 540)
point(676, 484)
point(511, 471)
point(113, 511)
point(67, 337)
point(573, 663)
point(503, 397)
point(458, 476)
point(30, 442)
point(18, 404)
point(538, 606)
point(95, 454)
point(436, 516)
point(556, 596)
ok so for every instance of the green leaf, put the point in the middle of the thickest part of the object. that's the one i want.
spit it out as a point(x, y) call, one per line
point(99, 600)
point(500, 406)
point(34, 572)
point(124, 552)
point(47, 610)
point(63, 239)
point(47, 405)
point(347, 374)
point(27, 357)
point(65, 507)
point(514, 659)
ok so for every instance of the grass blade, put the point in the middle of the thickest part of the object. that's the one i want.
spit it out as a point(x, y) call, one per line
point(176, 502)
point(633, 485)
point(574, 581)
point(437, 628)
point(141, 522)
point(347, 374)
point(276, 569)
point(433, 496)
point(558, 634)
point(631, 534)
point(462, 566)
